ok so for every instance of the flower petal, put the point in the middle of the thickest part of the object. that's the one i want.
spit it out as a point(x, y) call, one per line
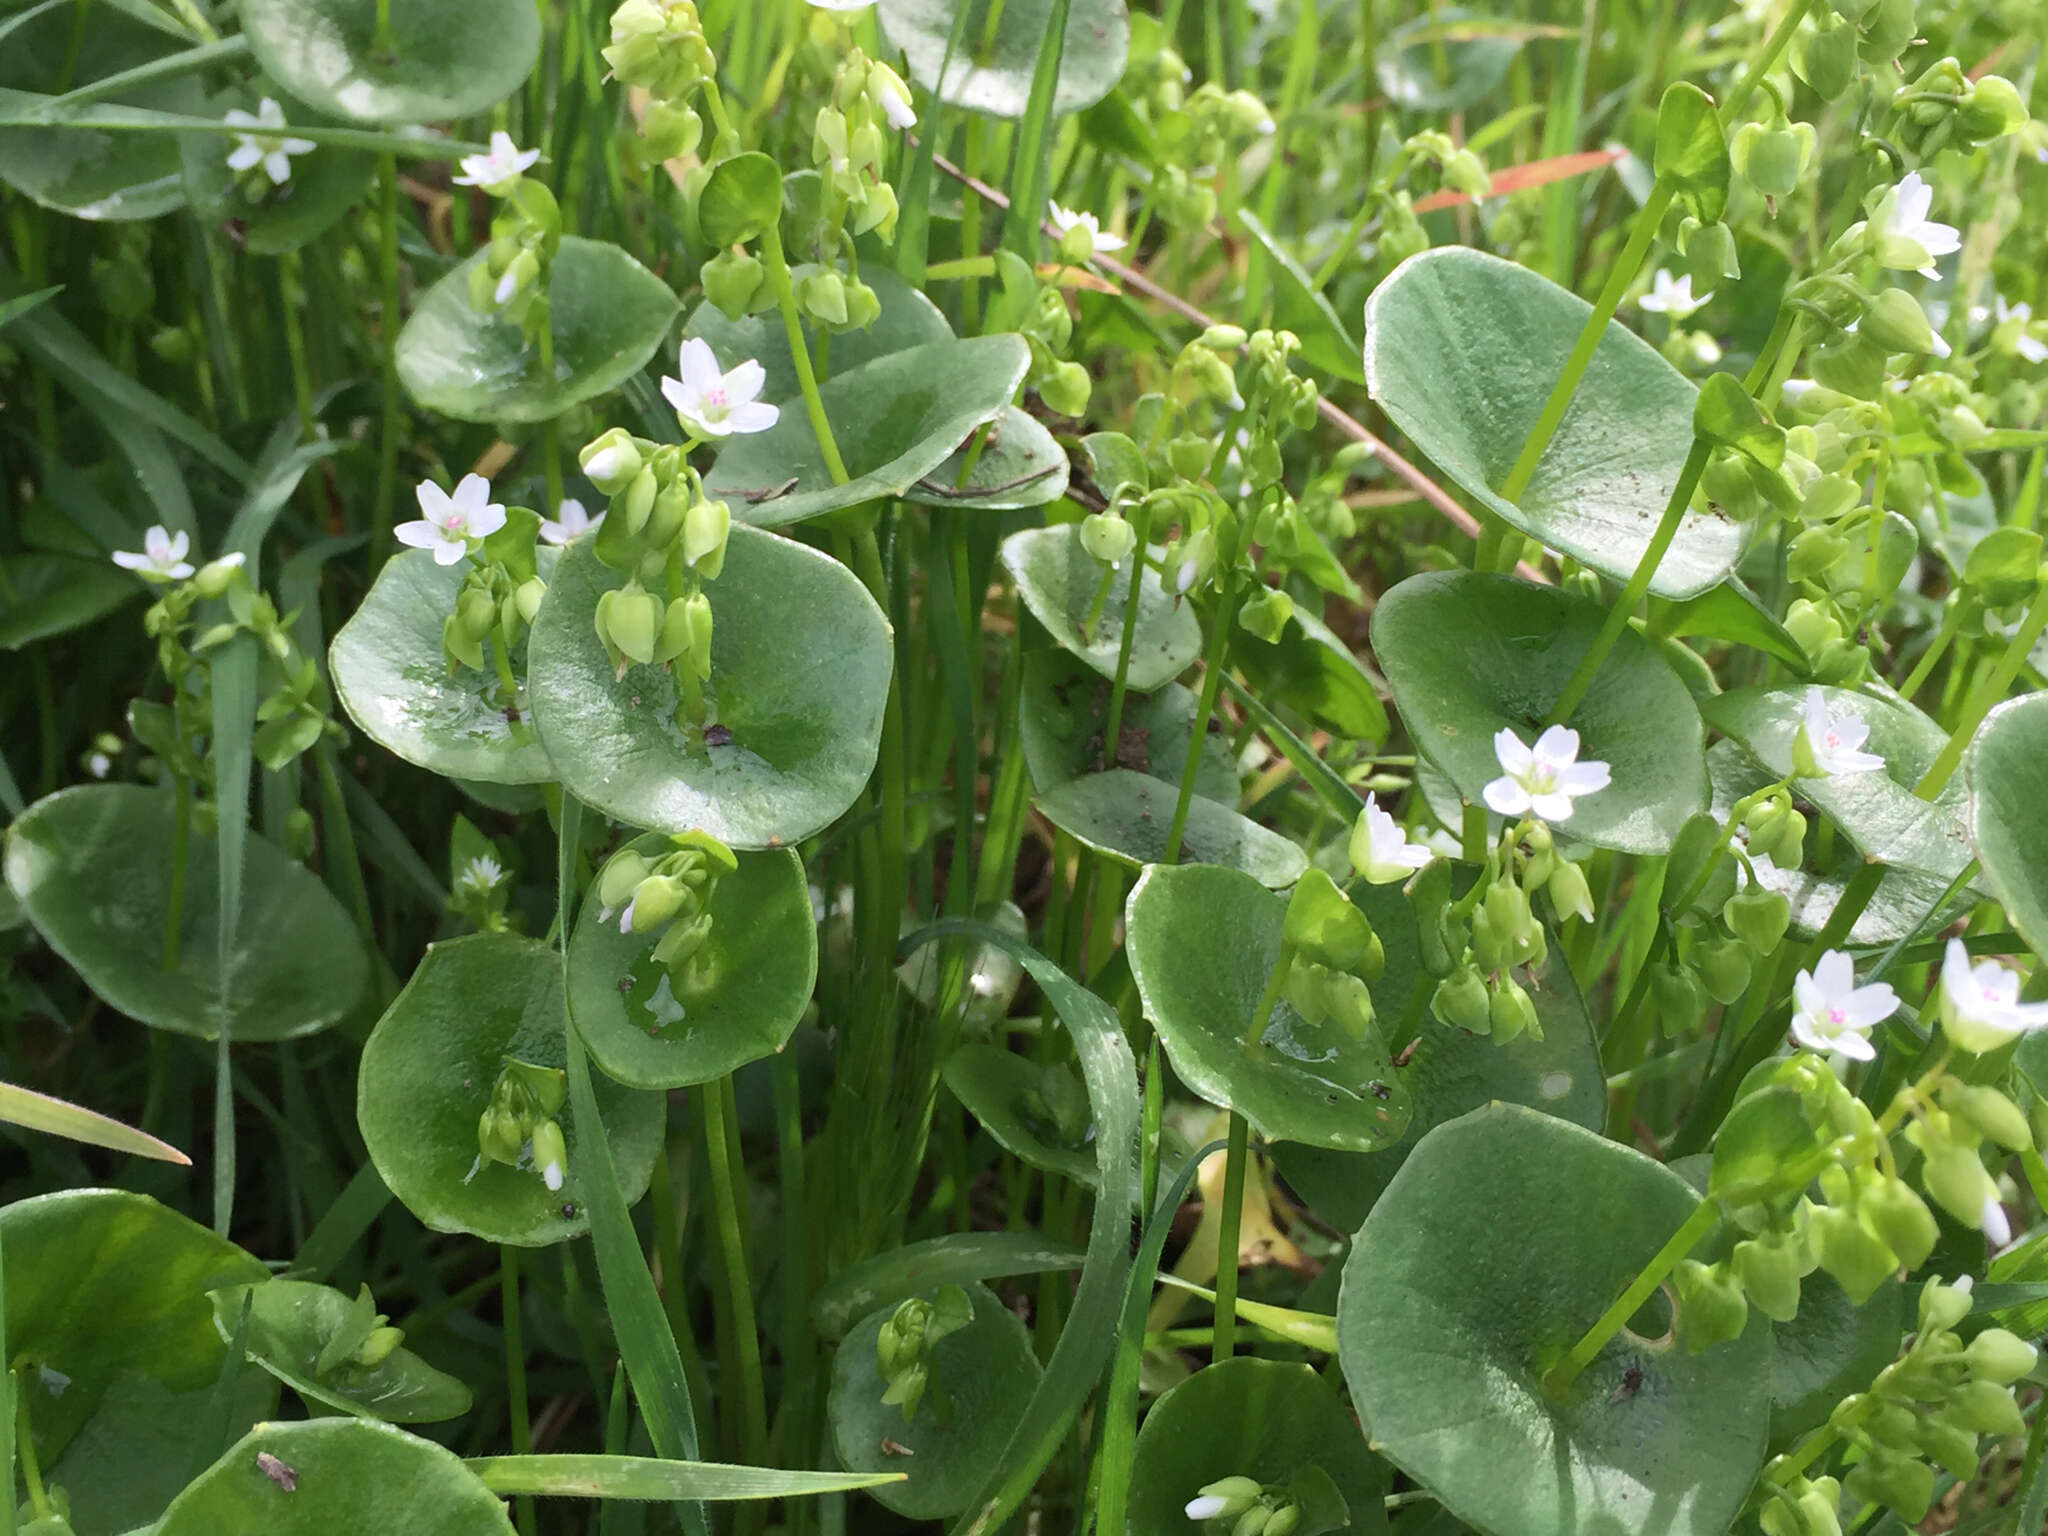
point(754, 416)
point(420, 535)
point(745, 383)
point(698, 366)
point(1513, 754)
point(1507, 797)
point(1559, 744)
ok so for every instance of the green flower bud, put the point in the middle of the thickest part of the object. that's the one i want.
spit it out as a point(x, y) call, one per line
point(1895, 321)
point(706, 527)
point(611, 462)
point(528, 597)
point(498, 1137)
point(1188, 455)
point(1814, 552)
point(377, 1348)
point(1465, 172)
point(822, 296)
point(1991, 109)
point(674, 639)
point(628, 620)
point(619, 878)
point(550, 1154)
point(632, 508)
point(1986, 1407)
point(1066, 389)
point(1724, 968)
point(462, 647)
point(1942, 1306)
point(1711, 1306)
point(1510, 1012)
point(670, 130)
point(1859, 1261)
point(1461, 1001)
point(1769, 1269)
point(1680, 1001)
point(1348, 1001)
point(1825, 58)
point(1772, 157)
point(1955, 1177)
point(1267, 614)
point(700, 634)
point(475, 612)
point(1901, 1484)
point(1570, 895)
point(681, 943)
point(1108, 537)
point(1989, 1112)
point(655, 900)
point(863, 304)
point(1224, 1499)
point(1253, 1521)
point(734, 281)
point(1758, 917)
point(216, 576)
point(1999, 1357)
point(1897, 1217)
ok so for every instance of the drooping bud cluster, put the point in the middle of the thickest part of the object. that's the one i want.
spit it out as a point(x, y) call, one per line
point(669, 893)
point(1242, 1506)
point(905, 1350)
point(518, 1128)
point(501, 593)
point(511, 281)
point(1333, 952)
point(660, 46)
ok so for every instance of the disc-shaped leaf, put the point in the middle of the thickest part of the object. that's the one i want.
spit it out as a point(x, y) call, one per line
point(757, 969)
point(92, 867)
point(391, 675)
point(993, 73)
point(1311, 670)
point(56, 594)
point(433, 61)
point(1202, 942)
point(1019, 464)
point(1461, 350)
point(1006, 1093)
point(324, 185)
point(1446, 60)
point(335, 1477)
point(1831, 1349)
point(800, 661)
point(895, 421)
point(607, 315)
point(1451, 1315)
point(291, 1323)
point(1263, 1419)
point(1058, 580)
point(427, 1073)
point(2009, 789)
point(1128, 815)
point(1064, 711)
point(987, 1373)
point(1468, 654)
point(908, 319)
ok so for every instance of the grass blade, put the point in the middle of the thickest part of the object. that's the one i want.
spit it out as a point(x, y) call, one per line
point(1029, 170)
point(347, 1219)
point(60, 1117)
point(1328, 784)
point(646, 1477)
point(234, 723)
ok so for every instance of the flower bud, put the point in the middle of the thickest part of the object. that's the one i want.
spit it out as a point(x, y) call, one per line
point(705, 529)
point(1955, 1176)
point(463, 648)
point(734, 281)
point(683, 940)
point(1825, 58)
point(1769, 1269)
point(1814, 552)
point(1898, 1218)
point(1066, 389)
point(1989, 1112)
point(1771, 158)
point(1999, 1357)
point(1724, 968)
point(1710, 256)
point(1711, 1306)
point(1896, 322)
point(528, 597)
point(655, 900)
point(1859, 1261)
point(497, 1135)
point(822, 296)
point(1108, 537)
point(1991, 109)
point(1461, 1001)
point(699, 609)
point(670, 130)
point(216, 576)
point(627, 620)
point(619, 878)
point(1680, 1001)
point(637, 501)
point(1267, 614)
point(475, 612)
point(1188, 455)
point(674, 639)
point(1900, 1483)
point(550, 1154)
point(1986, 1407)
point(376, 1348)
point(1253, 1521)
point(1225, 1499)
point(1511, 1013)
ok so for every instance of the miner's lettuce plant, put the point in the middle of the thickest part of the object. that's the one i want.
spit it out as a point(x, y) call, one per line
point(1228, 769)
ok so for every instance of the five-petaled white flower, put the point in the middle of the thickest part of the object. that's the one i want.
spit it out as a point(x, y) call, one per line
point(713, 404)
point(1832, 1013)
point(569, 522)
point(268, 145)
point(1906, 238)
point(1065, 219)
point(162, 557)
point(505, 161)
point(1380, 850)
point(482, 874)
point(1672, 298)
point(1980, 1004)
point(448, 523)
point(1828, 743)
point(1542, 780)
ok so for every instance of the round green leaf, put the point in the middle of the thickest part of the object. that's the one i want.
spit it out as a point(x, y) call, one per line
point(2008, 765)
point(1202, 942)
point(1001, 1090)
point(290, 1324)
point(800, 661)
point(607, 315)
point(56, 594)
point(1261, 1419)
point(761, 958)
point(1309, 669)
point(1020, 464)
point(1446, 60)
point(1058, 579)
point(335, 1477)
point(908, 319)
point(741, 197)
point(1128, 815)
point(392, 677)
point(92, 867)
point(895, 420)
point(439, 59)
point(1461, 350)
point(324, 185)
point(427, 1073)
point(1831, 1349)
point(994, 75)
point(1065, 709)
point(986, 1369)
point(1468, 654)
point(1452, 1312)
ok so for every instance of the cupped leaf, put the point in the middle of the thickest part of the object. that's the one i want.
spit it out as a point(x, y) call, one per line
point(92, 867)
point(427, 1074)
point(391, 674)
point(56, 594)
point(993, 75)
point(324, 185)
point(1266, 1420)
point(1009, 1095)
point(1064, 711)
point(1468, 654)
point(1019, 464)
point(2008, 768)
point(1732, 612)
point(741, 198)
point(1202, 942)
point(430, 61)
point(756, 972)
point(335, 1477)
point(1128, 815)
point(908, 319)
point(1446, 60)
point(895, 420)
point(1311, 670)
point(1451, 1316)
point(291, 1324)
point(607, 315)
point(1058, 580)
point(1461, 350)
point(984, 1376)
point(800, 662)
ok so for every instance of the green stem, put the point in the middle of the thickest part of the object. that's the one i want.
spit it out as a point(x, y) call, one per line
point(1988, 693)
point(181, 837)
point(1113, 722)
point(793, 329)
point(291, 293)
point(796, 1345)
point(515, 1372)
point(1205, 706)
point(1231, 1223)
point(1276, 983)
point(1705, 1217)
point(387, 338)
point(1951, 624)
point(25, 1448)
point(715, 1103)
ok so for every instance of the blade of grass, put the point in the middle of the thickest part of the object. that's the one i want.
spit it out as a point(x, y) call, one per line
point(1029, 168)
point(646, 1477)
point(914, 218)
point(28, 109)
point(60, 1117)
point(1327, 783)
point(345, 1221)
point(234, 720)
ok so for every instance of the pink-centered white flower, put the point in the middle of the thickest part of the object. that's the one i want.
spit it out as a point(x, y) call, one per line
point(1380, 850)
point(1542, 780)
point(1672, 298)
point(569, 523)
point(505, 161)
point(1828, 743)
point(266, 144)
point(1980, 1004)
point(1066, 220)
point(713, 404)
point(1832, 1013)
point(1906, 238)
point(449, 524)
point(162, 557)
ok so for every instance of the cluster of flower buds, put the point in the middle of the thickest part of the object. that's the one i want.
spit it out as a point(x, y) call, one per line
point(500, 594)
point(511, 281)
point(668, 893)
point(1329, 953)
point(1243, 1506)
point(1480, 993)
point(1037, 312)
point(1942, 108)
point(660, 47)
point(363, 1341)
point(518, 1128)
point(850, 143)
point(905, 1350)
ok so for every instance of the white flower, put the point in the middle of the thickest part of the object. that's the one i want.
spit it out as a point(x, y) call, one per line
point(162, 557)
point(1997, 1229)
point(1065, 219)
point(99, 765)
point(1980, 1004)
point(1906, 238)
point(1207, 1507)
point(268, 147)
point(481, 874)
point(1828, 743)
point(448, 523)
point(1545, 779)
point(711, 404)
point(569, 522)
point(2031, 348)
point(1833, 1013)
point(887, 90)
point(505, 161)
point(1380, 850)
point(1792, 391)
point(1674, 299)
